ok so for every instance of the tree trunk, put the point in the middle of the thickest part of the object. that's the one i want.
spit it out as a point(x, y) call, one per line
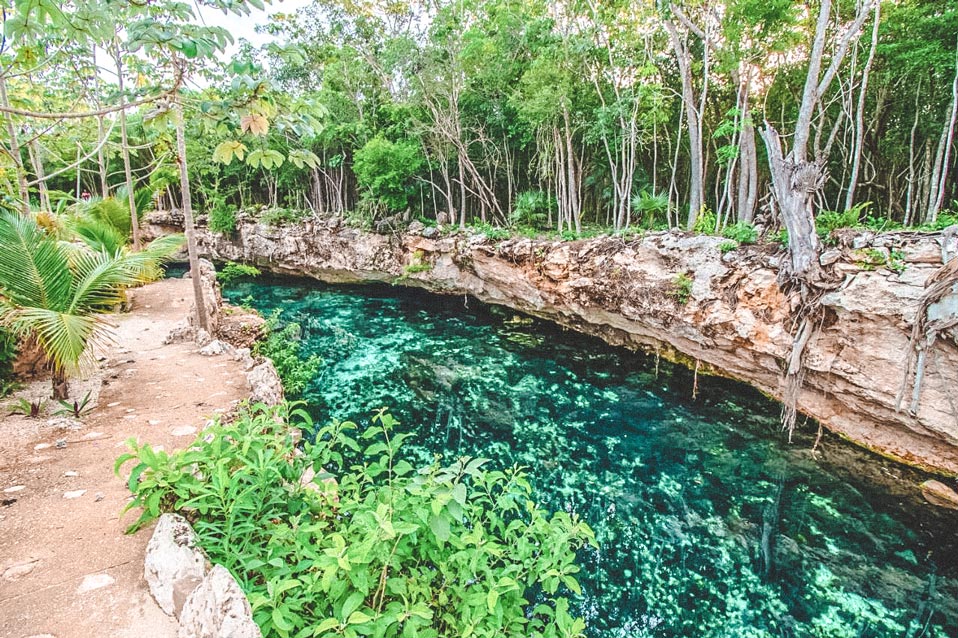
point(860, 115)
point(125, 150)
point(61, 387)
point(15, 151)
point(201, 320)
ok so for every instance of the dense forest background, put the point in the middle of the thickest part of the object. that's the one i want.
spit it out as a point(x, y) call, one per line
point(564, 115)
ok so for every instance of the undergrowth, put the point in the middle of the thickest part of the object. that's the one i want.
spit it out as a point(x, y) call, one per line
point(285, 347)
point(372, 546)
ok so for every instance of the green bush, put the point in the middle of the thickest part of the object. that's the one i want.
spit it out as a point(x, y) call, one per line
point(385, 171)
point(285, 347)
point(222, 216)
point(8, 354)
point(829, 220)
point(494, 233)
point(741, 232)
point(705, 222)
point(372, 546)
point(278, 216)
point(728, 246)
point(682, 288)
point(233, 271)
point(531, 209)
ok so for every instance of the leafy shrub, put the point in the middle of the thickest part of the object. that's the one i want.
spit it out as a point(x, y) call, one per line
point(828, 220)
point(278, 216)
point(494, 233)
point(728, 246)
point(682, 288)
point(531, 209)
point(222, 216)
point(285, 347)
point(652, 208)
point(8, 354)
point(233, 271)
point(371, 546)
point(385, 171)
point(705, 222)
point(741, 232)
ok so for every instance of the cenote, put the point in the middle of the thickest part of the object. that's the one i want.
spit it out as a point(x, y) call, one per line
point(709, 523)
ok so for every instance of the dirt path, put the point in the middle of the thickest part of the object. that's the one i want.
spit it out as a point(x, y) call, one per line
point(66, 568)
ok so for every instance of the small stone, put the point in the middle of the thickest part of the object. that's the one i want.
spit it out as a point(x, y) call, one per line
point(183, 430)
point(61, 444)
point(41, 446)
point(74, 494)
point(71, 474)
point(829, 257)
point(14, 489)
point(113, 405)
point(89, 436)
point(213, 348)
point(131, 410)
point(99, 496)
point(218, 607)
point(42, 636)
point(19, 570)
point(154, 421)
point(95, 581)
point(430, 232)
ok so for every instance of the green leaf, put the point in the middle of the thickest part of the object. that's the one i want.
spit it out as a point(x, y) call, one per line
point(440, 527)
point(352, 604)
point(491, 599)
point(358, 618)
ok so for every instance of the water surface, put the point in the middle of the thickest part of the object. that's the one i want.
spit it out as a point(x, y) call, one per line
point(709, 523)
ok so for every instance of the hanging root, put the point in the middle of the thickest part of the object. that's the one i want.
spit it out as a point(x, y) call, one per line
point(808, 318)
point(925, 332)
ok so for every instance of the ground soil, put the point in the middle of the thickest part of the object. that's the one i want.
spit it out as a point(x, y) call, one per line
point(67, 570)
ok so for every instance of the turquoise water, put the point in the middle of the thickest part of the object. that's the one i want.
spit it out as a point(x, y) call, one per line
point(709, 523)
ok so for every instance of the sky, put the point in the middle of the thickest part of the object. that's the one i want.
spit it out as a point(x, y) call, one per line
point(244, 27)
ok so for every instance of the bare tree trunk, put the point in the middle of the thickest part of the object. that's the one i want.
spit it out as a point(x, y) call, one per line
point(202, 321)
point(125, 151)
point(33, 151)
point(860, 114)
point(948, 138)
point(14, 149)
point(910, 195)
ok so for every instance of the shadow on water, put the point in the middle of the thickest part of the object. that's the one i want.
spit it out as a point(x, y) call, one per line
point(709, 523)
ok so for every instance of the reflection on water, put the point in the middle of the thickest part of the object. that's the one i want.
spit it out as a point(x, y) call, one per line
point(709, 523)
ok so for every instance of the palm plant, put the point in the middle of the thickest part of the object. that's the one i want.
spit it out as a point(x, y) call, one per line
point(55, 292)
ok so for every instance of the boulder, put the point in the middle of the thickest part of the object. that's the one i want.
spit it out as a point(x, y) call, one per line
point(264, 384)
point(214, 348)
point(241, 329)
point(174, 565)
point(218, 608)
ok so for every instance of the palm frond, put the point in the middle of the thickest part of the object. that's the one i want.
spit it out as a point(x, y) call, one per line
point(65, 338)
point(99, 236)
point(99, 280)
point(34, 271)
point(158, 252)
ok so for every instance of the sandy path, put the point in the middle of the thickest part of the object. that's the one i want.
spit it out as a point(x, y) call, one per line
point(67, 570)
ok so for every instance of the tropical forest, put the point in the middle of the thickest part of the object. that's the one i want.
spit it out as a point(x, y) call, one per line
point(479, 319)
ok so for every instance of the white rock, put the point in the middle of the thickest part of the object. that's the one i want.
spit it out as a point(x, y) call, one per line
point(174, 566)
point(183, 430)
point(71, 474)
point(214, 348)
point(265, 384)
point(41, 446)
point(89, 436)
point(19, 570)
point(95, 581)
point(113, 405)
point(218, 609)
point(154, 421)
point(64, 423)
point(74, 494)
point(14, 488)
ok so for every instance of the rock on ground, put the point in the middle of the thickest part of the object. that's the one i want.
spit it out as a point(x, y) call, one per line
point(174, 565)
point(218, 608)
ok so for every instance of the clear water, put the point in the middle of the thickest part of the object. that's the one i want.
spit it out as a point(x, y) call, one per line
point(709, 523)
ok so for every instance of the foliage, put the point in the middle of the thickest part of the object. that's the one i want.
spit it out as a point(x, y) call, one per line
point(56, 293)
point(385, 170)
point(705, 223)
point(31, 409)
point(741, 232)
point(493, 233)
point(8, 355)
point(278, 216)
point(285, 347)
point(652, 208)
point(372, 545)
point(872, 258)
point(531, 209)
point(233, 271)
point(75, 408)
point(828, 221)
point(728, 246)
point(682, 288)
point(222, 217)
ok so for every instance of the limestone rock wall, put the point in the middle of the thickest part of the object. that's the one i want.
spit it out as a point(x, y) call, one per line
point(679, 295)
